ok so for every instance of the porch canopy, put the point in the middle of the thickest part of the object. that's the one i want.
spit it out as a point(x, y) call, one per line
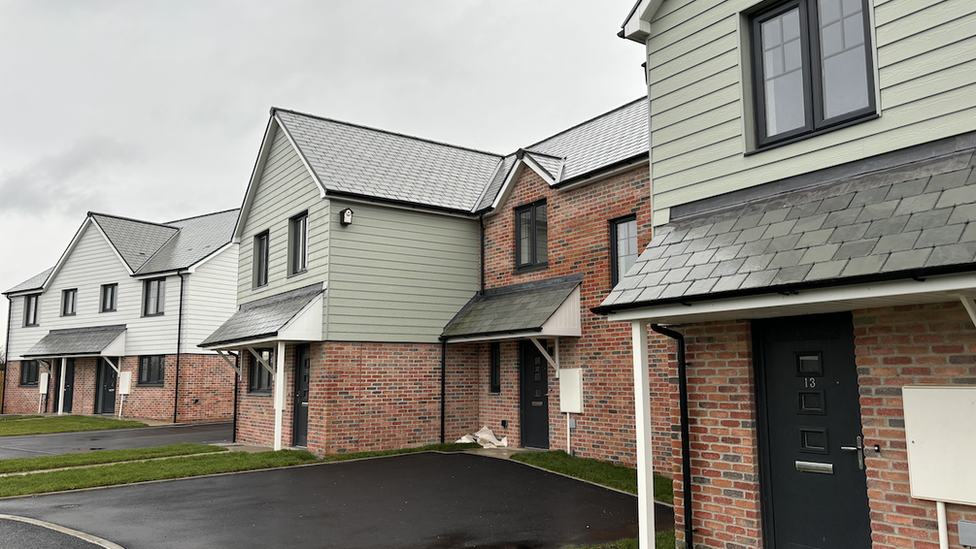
point(850, 237)
point(292, 316)
point(96, 341)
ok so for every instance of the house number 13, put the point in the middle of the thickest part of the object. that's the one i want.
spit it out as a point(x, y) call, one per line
point(809, 382)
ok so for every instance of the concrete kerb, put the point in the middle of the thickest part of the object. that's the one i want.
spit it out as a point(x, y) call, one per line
point(106, 544)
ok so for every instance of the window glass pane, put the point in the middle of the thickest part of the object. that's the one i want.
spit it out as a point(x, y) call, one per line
point(783, 73)
point(525, 237)
point(541, 238)
point(843, 57)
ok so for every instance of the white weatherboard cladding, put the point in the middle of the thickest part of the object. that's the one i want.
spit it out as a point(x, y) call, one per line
point(399, 275)
point(926, 55)
point(566, 320)
point(90, 264)
point(284, 189)
point(211, 298)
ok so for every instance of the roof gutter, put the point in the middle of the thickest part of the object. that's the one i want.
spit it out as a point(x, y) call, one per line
point(442, 210)
point(605, 172)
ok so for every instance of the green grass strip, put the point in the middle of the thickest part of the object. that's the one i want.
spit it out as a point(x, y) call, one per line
point(18, 465)
point(142, 471)
point(16, 418)
point(606, 474)
point(61, 424)
point(664, 540)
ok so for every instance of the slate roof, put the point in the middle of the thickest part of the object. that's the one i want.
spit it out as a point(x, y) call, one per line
point(75, 341)
point(197, 237)
point(897, 223)
point(363, 161)
point(35, 282)
point(136, 241)
point(264, 317)
point(601, 142)
point(514, 308)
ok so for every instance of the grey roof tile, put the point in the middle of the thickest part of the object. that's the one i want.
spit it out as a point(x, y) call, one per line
point(969, 235)
point(914, 187)
point(136, 241)
point(964, 252)
point(750, 235)
point(857, 248)
point(949, 180)
point(869, 196)
point(759, 279)
point(675, 290)
point(896, 242)
point(842, 218)
point(867, 265)
point(835, 203)
point(676, 275)
point(699, 244)
point(964, 213)
point(806, 224)
point(652, 279)
point(198, 237)
point(721, 227)
point(907, 260)
point(651, 292)
point(848, 233)
point(729, 267)
point(941, 236)
point(756, 263)
point(652, 252)
point(702, 286)
point(819, 254)
point(953, 197)
point(727, 252)
point(676, 262)
point(783, 243)
point(724, 240)
point(33, 283)
point(747, 222)
point(703, 271)
point(75, 341)
point(699, 232)
point(804, 210)
point(881, 227)
point(263, 317)
point(653, 265)
point(729, 283)
point(829, 269)
point(753, 248)
point(791, 275)
point(814, 238)
point(934, 218)
point(699, 258)
point(872, 212)
point(789, 258)
point(912, 204)
point(781, 228)
point(774, 216)
point(677, 248)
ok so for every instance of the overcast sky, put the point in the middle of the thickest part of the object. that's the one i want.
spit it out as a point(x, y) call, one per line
point(155, 109)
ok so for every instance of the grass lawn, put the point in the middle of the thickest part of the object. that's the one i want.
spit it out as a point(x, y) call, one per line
point(663, 540)
point(34, 425)
point(18, 465)
point(606, 474)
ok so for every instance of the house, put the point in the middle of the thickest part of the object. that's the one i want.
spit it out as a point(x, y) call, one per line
point(813, 252)
point(128, 300)
point(379, 289)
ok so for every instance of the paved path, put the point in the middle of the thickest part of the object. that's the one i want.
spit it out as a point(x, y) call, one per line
point(112, 439)
point(431, 501)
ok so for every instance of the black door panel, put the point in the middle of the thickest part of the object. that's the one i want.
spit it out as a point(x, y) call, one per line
point(534, 396)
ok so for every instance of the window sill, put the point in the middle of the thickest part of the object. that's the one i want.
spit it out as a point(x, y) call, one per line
point(152, 314)
point(259, 393)
point(531, 268)
point(108, 311)
point(810, 135)
point(151, 385)
point(28, 385)
point(299, 273)
point(68, 314)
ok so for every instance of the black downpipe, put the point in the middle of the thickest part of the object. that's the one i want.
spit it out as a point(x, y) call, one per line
point(685, 436)
point(237, 377)
point(481, 222)
point(443, 386)
point(179, 348)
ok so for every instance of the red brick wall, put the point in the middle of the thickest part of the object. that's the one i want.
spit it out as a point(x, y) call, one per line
point(925, 344)
point(206, 385)
point(579, 242)
point(368, 396)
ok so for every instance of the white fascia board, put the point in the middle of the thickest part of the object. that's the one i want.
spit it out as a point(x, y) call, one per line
point(530, 162)
point(107, 241)
point(301, 154)
point(525, 334)
point(506, 189)
point(820, 300)
point(239, 345)
point(259, 164)
point(306, 325)
point(638, 26)
point(215, 253)
point(565, 321)
point(158, 274)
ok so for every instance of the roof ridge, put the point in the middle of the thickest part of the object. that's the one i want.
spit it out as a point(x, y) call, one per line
point(202, 215)
point(581, 124)
point(132, 219)
point(387, 132)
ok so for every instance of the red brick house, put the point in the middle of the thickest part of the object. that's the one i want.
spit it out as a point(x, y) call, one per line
point(813, 254)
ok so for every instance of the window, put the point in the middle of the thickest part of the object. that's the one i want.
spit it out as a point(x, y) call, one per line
point(531, 243)
point(69, 299)
point(298, 243)
point(623, 247)
point(30, 309)
point(110, 294)
point(261, 259)
point(153, 297)
point(812, 67)
point(29, 372)
point(495, 373)
point(259, 378)
point(152, 370)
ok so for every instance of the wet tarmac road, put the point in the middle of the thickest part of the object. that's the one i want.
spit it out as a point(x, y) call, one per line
point(112, 439)
point(432, 501)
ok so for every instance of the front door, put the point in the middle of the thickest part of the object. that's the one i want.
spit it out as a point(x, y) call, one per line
point(814, 487)
point(534, 396)
point(69, 385)
point(105, 388)
point(303, 369)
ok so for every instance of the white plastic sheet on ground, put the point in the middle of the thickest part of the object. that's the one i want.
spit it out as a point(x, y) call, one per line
point(485, 438)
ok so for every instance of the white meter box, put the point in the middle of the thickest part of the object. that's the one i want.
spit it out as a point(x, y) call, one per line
point(941, 442)
point(571, 390)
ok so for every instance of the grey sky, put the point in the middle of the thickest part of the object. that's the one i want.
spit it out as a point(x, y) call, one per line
point(156, 109)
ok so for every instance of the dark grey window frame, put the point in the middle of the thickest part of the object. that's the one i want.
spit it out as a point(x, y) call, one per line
point(69, 302)
point(614, 235)
point(32, 303)
point(298, 247)
point(495, 369)
point(160, 306)
point(259, 379)
point(30, 372)
point(152, 374)
point(106, 305)
point(533, 263)
point(261, 255)
point(815, 124)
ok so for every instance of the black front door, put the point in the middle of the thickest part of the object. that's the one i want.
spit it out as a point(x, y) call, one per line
point(813, 483)
point(69, 385)
point(105, 388)
point(303, 369)
point(534, 396)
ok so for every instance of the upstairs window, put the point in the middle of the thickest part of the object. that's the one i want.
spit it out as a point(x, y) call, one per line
point(531, 236)
point(30, 371)
point(623, 247)
point(298, 244)
point(259, 378)
point(154, 297)
point(30, 309)
point(69, 300)
point(812, 68)
point(110, 295)
point(261, 259)
point(152, 370)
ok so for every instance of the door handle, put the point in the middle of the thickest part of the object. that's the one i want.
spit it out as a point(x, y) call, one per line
point(859, 448)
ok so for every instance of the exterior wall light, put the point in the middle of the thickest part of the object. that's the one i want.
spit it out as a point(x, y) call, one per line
point(345, 217)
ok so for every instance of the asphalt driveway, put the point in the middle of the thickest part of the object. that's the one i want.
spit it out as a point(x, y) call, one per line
point(113, 439)
point(433, 501)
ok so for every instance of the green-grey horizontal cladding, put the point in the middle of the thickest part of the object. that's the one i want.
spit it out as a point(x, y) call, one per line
point(398, 274)
point(284, 189)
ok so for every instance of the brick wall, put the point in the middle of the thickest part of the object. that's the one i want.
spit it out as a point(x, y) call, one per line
point(579, 242)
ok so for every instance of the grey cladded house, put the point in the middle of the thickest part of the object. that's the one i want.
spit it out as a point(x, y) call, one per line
point(130, 298)
point(814, 258)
